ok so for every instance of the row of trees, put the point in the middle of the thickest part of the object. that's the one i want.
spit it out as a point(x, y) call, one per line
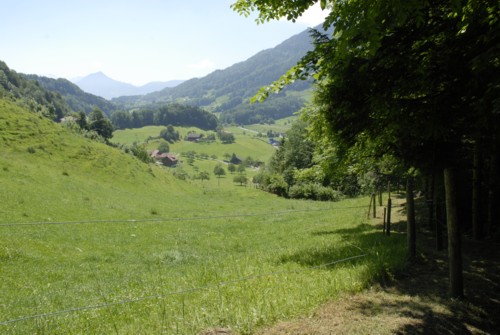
point(95, 125)
point(172, 114)
point(415, 81)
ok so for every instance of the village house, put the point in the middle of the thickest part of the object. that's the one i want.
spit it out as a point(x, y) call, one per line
point(166, 159)
point(193, 137)
point(235, 160)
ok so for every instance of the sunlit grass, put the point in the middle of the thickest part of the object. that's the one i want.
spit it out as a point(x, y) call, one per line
point(92, 241)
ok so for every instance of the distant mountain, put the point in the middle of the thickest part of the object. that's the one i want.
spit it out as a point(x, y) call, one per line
point(103, 86)
point(75, 97)
point(228, 91)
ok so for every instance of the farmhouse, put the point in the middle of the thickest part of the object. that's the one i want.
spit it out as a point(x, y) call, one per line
point(235, 160)
point(193, 137)
point(166, 159)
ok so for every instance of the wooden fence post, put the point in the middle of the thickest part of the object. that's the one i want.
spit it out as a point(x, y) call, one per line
point(388, 225)
point(385, 212)
point(369, 207)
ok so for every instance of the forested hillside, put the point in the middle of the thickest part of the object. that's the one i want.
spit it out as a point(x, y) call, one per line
point(228, 91)
point(31, 94)
point(75, 97)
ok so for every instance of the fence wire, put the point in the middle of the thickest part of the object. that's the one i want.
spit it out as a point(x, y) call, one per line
point(172, 219)
point(162, 296)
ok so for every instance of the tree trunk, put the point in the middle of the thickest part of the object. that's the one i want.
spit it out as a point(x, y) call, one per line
point(477, 224)
point(493, 190)
point(430, 202)
point(410, 220)
point(439, 224)
point(454, 242)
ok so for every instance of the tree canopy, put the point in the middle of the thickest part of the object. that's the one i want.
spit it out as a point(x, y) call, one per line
point(416, 80)
point(100, 124)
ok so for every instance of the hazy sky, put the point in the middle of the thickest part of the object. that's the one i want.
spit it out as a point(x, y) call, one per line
point(135, 41)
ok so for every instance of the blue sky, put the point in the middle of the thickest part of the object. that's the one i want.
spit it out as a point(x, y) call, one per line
point(135, 41)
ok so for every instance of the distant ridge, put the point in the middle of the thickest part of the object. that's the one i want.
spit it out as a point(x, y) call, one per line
point(75, 97)
point(101, 85)
point(228, 91)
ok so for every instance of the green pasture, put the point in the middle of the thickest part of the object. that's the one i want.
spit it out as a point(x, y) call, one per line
point(93, 241)
point(246, 143)
point(280, 126)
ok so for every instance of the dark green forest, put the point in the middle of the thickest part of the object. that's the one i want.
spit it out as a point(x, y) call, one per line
point(168, 114)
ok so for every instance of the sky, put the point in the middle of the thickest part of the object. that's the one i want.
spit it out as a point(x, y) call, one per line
point(135, 41)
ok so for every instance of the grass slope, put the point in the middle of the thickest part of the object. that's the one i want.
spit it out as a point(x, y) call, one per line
point(93, 241)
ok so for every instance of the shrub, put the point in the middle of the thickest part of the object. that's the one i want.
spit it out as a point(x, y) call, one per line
point(314, 191)
point(277, 185)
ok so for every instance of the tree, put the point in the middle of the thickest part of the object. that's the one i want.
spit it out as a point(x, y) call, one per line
point(163, 147)
point(100, 124)
point(204, 175)
point(169, 134)
point(241, 179)
point(81, 120)
point(416, 79)
point(225, 137)
point(241, 169)
point(121, 119)
point(219, 171)
point(231, 167)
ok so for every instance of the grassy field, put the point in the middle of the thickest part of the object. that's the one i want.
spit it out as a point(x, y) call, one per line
point(92, 241)
point(246, 144)
point(280, 126)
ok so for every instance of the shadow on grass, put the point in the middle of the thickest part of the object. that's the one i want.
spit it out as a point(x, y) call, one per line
point(419, 295)
point(416, 299)
point(363, 239)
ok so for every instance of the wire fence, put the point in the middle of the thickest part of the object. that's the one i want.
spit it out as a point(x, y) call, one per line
point(185, 291)
point(172, 219)
point(97, 306)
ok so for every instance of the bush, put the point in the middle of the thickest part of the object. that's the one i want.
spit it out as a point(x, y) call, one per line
point(139, 151)
point(277, 185)
point(314, 191)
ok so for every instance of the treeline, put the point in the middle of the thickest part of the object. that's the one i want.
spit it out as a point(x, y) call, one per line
point(305, 169)
point(31, 95)
point(267, 112)
point(172, 114)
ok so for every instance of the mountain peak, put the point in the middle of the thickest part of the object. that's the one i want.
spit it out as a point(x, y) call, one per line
point(100, 84)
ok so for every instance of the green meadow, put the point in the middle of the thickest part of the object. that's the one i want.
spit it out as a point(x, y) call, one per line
point(93, 241)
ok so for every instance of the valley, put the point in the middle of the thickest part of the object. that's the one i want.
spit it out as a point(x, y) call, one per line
point(95, 241)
